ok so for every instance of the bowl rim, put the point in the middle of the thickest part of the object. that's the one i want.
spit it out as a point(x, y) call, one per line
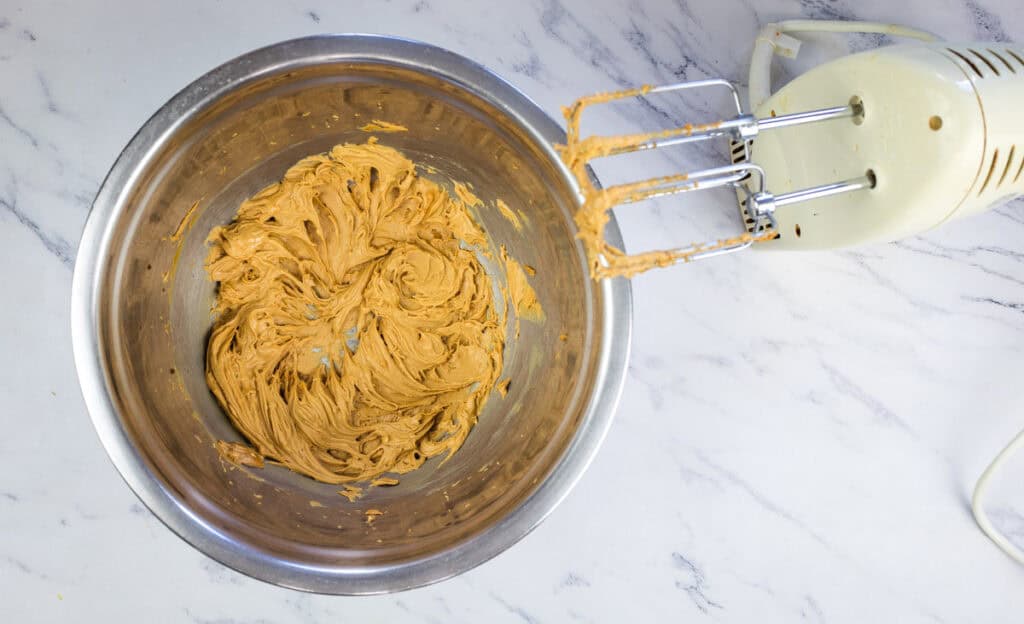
point(93, 256)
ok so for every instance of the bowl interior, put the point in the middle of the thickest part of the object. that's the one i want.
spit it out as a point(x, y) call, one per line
point(155, 299)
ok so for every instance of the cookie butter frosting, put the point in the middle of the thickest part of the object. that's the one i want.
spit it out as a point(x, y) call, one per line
point(356, 330)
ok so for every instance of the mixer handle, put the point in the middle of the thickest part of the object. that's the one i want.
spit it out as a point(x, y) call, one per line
point(772, 40)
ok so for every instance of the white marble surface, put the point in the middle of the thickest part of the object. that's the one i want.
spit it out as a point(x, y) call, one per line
point(798, 435)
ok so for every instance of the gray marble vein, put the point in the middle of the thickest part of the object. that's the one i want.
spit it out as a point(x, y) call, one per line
point(519, 612)
point(52, 243)
point(17, 128)
point(848, 388)
point(693, 583)
point(759, 498)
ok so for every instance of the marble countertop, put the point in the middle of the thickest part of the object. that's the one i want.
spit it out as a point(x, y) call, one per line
point(814, 465)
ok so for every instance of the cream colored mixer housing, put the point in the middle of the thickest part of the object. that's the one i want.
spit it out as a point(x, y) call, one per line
point(940, 128)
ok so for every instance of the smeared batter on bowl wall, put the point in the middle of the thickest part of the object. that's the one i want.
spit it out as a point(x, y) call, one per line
point(357, 332)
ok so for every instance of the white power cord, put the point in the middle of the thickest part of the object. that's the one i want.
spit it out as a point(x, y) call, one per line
point(977, 500)
point(772, 40)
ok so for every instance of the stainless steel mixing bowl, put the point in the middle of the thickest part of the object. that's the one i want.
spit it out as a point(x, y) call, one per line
point(141, 315)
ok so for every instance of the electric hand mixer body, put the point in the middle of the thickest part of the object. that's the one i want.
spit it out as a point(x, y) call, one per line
point(875, 146)
point(941, 130)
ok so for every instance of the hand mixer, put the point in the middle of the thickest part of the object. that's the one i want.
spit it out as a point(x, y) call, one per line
point(874, 146)
point(870, 147)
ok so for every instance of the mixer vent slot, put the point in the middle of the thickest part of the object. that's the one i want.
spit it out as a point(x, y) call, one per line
point(1002, 58)
point(1000, 173)
point(968, 61)
point(751, 224)
point(990, 62)
point(738, 154)
point(748, 221)
point(984, 59)
point(1006, 170)
point(1017, 57)
point(991, 171)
